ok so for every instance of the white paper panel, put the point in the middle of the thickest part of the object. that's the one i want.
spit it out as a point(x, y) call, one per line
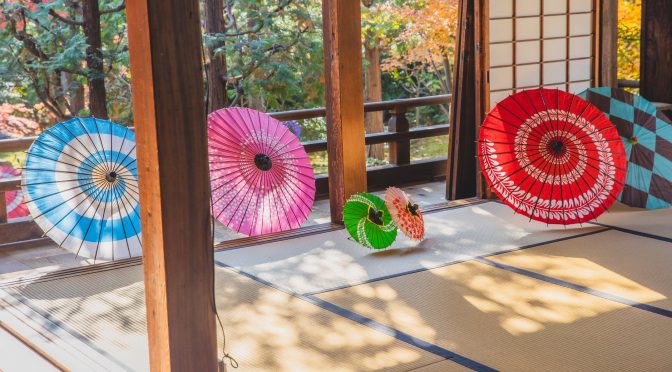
point(555, 72)
point(580, 24)
point(580, 47)
point(577, 88)
point(527, 76)
point(501, 54)
point(527, 51)
point(579, 5)
point(501, 30)
point(555, 49)
point(551, 6)
point(579, 70)
point(528, 28)
point(527, 7)
point(501, 8)
point(562, 87)
point(555, 26)
point(501, 78)
point(495, 97)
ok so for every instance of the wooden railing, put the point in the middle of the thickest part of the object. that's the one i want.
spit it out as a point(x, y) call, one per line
point(399, 135)
point(400, 170)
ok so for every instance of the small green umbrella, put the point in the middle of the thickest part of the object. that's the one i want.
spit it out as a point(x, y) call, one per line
point(369, 221)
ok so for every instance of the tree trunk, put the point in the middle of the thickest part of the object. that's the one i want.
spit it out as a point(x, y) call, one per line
point(373, 121)
point(75, 91)
point(216, 69)
point(94, 59)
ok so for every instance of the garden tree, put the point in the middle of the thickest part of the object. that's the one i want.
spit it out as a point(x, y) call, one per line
point(56, 47)
point(216, 65)
point(420, 55)
point(263, 54)
point(377, 25)
point(629, 37)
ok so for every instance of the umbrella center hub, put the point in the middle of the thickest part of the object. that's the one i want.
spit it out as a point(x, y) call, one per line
point(111, 176)
point(633, 140)
point(376, 216)
point(557, 147)
point(413, 209)
point(263, 162)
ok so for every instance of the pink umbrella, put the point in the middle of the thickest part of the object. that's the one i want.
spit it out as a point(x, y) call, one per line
point(14, 199)
point(260, 174)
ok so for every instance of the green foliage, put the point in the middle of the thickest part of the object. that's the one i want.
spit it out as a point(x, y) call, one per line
point(629, 37)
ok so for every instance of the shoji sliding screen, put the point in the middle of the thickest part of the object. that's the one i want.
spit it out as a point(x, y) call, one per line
point(539, 43)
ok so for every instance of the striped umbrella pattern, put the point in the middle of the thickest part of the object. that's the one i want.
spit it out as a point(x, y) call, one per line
point(81, 186)
point(13, 199)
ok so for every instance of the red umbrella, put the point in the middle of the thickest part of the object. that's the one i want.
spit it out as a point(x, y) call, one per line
point(552, 156)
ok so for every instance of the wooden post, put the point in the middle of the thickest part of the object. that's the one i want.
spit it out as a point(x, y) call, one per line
point(170, 122)
point(400, 151)
point(345, 101)
point(656, 51)
point(607, 43)
point(462, 178)
point(3, 207)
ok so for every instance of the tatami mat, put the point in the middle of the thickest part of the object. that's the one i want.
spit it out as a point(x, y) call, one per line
point(626, 265)
point(331, 260)
point(513, 322)
point(267, 329)
point(656, 221)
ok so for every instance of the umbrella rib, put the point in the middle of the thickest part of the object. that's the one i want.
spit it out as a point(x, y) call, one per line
point(95, 146)
point(121, 220)
point(93, 154)
point(547, 124)
point(88, 228)
point(227, 193)
point(520, 127)
point(88, 186)
point(97, 192)
point(246, 208)
point(134, 205)
point(102, 146)
point(88, 163)
point(85, 159)
point(257, 185)
point(63, 162)
point(284, 197)
point(102, 219)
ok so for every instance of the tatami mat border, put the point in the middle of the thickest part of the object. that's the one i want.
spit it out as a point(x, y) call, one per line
point(399, 335)
point(634, 232)
point(456, 262)
point(577, 287)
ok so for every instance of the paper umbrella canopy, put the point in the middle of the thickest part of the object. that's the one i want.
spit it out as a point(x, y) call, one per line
point(552, 156)
point(81, 187)
point(261, 177)
point(368, 221)
point(13, 199)
point(647, 138)
point(405, 213)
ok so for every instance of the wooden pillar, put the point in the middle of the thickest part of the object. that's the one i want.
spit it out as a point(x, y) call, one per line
point(607, 43)
point(170, 122)
point(656, 51)
point(400, 151)
point(462, 177)
point(345, 101)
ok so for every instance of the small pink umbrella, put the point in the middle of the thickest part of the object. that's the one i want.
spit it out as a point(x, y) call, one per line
point(14, 199)
point(260, 174)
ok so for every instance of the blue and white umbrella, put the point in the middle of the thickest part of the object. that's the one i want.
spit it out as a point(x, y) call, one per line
point(80, 183)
